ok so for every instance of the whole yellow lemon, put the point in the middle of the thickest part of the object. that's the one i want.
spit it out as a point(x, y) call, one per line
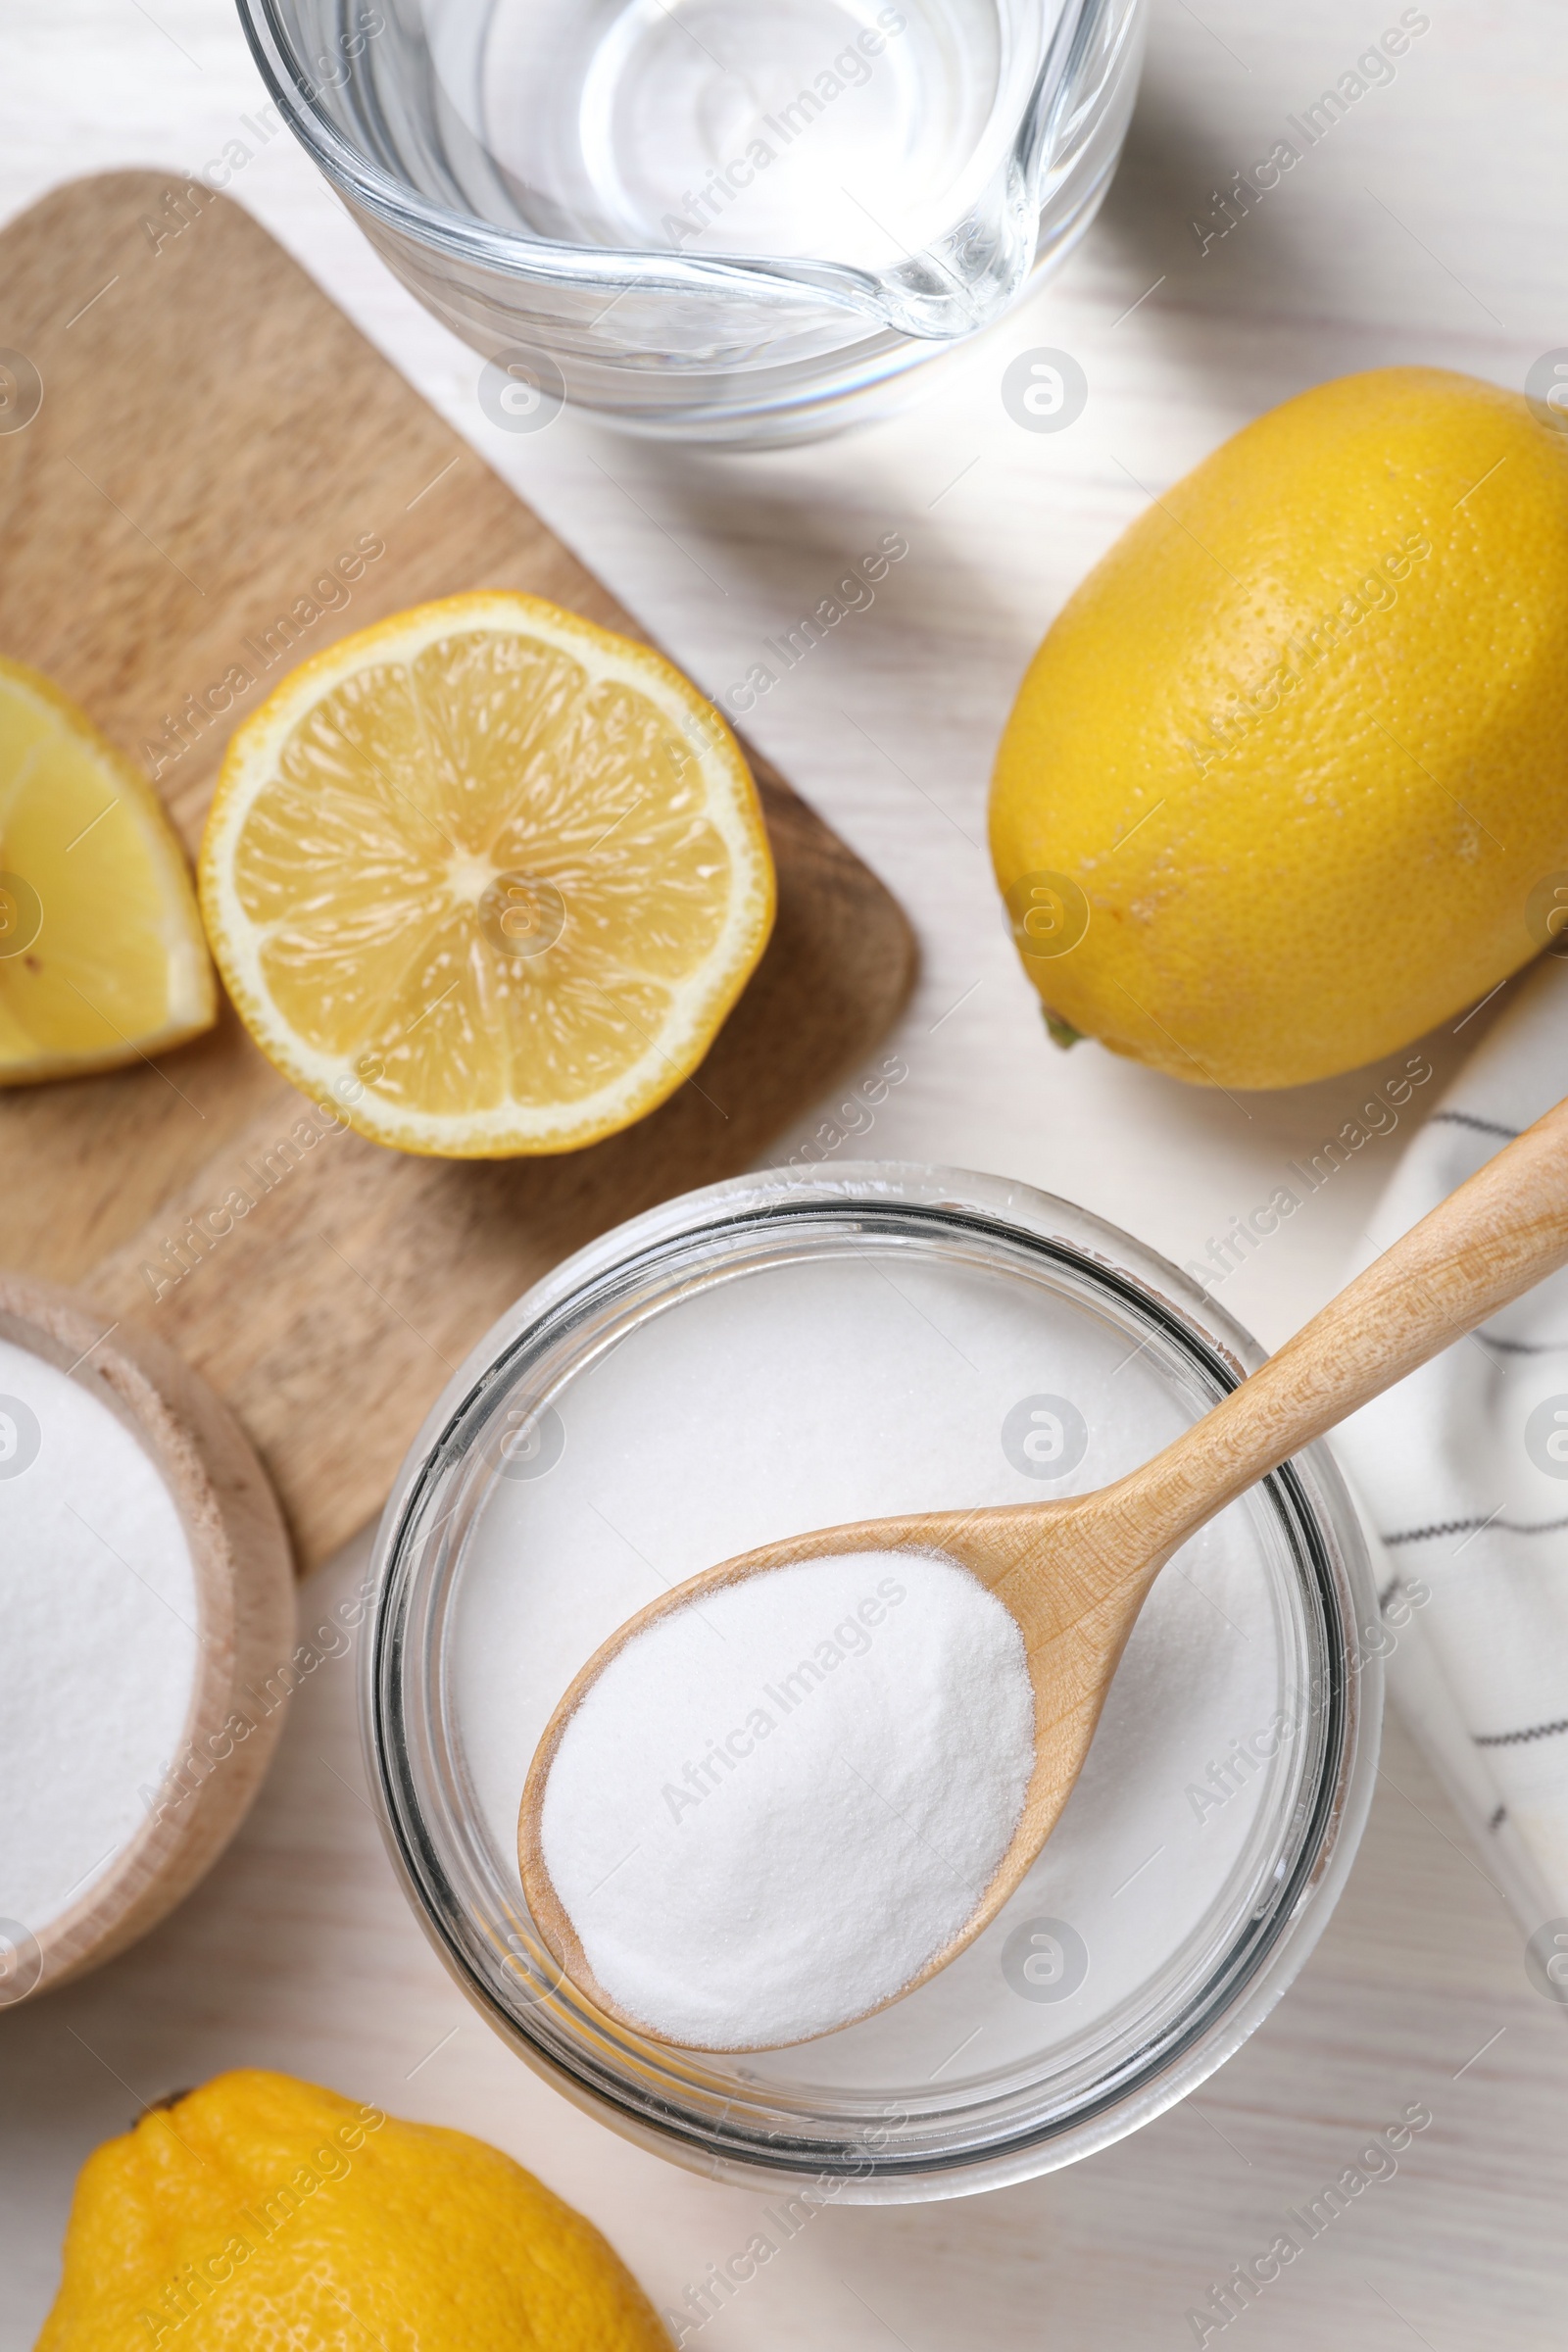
point(1287, 783)
point(262, 2215)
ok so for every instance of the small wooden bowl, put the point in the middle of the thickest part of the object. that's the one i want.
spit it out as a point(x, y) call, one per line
point(245, 1623)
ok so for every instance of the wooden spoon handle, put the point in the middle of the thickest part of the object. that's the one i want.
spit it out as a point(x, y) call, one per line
point(1499, 1235)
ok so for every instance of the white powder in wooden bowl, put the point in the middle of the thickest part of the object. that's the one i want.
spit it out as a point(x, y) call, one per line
point(776, 1806)
point(97, 1638)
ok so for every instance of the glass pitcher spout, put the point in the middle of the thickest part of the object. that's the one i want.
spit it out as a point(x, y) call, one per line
point(964, 279)
point(950, 289)
point(687, 208)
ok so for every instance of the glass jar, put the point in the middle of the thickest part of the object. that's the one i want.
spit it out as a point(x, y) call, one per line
point(801, 1348)
point(732, 220)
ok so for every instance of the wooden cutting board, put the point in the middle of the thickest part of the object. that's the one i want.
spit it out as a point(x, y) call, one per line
point(212, 435)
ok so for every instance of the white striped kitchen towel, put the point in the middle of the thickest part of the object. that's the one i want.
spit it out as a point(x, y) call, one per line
point(1462, 1471)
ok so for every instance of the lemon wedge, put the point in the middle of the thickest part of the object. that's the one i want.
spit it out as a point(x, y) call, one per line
point(101, 959)
point(487, 878)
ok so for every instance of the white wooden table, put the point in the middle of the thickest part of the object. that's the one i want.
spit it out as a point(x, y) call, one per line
point(1427, 227)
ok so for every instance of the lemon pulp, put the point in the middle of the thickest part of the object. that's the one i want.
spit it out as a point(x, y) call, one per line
point(488, 874)
point(102, 958)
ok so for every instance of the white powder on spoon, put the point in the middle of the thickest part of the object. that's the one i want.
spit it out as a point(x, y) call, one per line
point(774, 1807)
point(97, 1637)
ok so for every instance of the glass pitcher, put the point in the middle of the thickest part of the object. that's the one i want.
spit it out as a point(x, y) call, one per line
point(739, 221)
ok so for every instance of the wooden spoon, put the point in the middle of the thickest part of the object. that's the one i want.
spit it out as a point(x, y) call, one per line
point(1076, 1570)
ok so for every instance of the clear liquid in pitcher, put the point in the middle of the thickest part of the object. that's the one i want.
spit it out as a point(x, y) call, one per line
point(848, 132)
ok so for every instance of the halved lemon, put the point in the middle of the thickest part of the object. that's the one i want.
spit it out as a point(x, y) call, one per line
point(487, 878)
point(102, 958)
